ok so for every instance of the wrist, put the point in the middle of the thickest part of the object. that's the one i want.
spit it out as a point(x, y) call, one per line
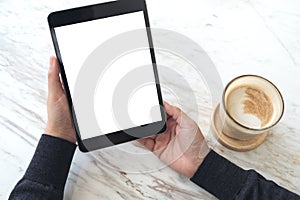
point(200, 159)
point(66, 137)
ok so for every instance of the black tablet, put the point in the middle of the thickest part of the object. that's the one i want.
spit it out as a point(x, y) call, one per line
point(109, 72)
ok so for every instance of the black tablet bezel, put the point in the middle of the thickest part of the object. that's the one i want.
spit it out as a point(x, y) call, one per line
point(99, 11)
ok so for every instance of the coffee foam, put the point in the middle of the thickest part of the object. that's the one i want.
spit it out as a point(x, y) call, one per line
point(250, 106)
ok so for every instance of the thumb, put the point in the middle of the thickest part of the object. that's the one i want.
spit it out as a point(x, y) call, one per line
point(173, 112)
point(54, 84)
point(179, 116)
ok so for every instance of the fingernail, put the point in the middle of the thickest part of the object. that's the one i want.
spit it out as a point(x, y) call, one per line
point(51, 60)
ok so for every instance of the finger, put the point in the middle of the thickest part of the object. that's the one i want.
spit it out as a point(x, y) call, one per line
point(179, 116)
point(172, 124)
point(148, 143)
point(162, 140)
point(54, 83)
point(165, 103)
point(173, 111)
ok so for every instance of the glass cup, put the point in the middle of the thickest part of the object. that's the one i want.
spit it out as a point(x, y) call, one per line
point(251, 105)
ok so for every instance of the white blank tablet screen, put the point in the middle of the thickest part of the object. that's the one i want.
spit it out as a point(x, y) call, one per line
point(77, 41)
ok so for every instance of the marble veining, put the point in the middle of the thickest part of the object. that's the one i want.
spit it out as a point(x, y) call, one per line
point(241, 37)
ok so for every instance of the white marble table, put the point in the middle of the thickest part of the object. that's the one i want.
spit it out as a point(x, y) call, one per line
point(241, 37)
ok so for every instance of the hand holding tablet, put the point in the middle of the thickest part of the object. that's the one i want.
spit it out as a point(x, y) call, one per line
point(111, 89)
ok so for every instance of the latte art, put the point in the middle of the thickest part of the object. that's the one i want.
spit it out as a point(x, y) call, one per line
point(250, 106)
point(258, 104)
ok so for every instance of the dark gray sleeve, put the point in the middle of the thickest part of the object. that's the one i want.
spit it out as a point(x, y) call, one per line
point(225, 180)
point(48, 170)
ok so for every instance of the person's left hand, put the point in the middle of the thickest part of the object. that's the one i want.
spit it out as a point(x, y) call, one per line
point(59, 122)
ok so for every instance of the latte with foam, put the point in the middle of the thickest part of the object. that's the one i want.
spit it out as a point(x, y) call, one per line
point(250, 106)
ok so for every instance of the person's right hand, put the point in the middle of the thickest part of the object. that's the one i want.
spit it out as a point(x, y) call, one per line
point(182, 145)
